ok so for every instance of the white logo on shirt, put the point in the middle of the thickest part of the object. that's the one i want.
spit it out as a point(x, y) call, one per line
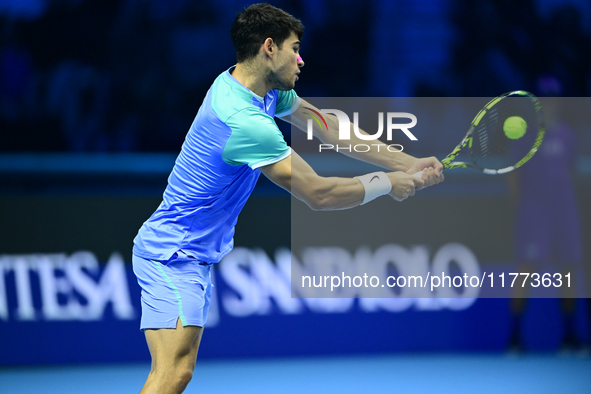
point(270, 102)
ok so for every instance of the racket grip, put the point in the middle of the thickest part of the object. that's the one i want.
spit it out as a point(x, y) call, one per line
point(418, 174)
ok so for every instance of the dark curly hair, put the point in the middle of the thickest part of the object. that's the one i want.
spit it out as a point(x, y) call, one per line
point(253, 25)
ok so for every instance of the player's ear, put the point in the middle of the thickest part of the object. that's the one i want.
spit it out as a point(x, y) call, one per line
point(268, 47)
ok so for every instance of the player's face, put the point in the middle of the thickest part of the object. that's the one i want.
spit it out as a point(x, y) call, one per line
point(286, 67)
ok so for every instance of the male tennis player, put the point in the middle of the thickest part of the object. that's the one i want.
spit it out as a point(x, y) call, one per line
point(231, 141)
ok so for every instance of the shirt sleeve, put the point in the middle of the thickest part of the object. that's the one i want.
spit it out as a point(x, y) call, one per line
point(255, 140)
point(287, 102)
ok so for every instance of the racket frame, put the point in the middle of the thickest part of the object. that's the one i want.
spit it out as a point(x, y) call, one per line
point(448, 162)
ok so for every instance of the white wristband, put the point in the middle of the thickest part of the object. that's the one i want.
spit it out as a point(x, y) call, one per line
point(376, 184)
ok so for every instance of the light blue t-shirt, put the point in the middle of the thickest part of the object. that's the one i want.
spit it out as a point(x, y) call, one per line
point(233, 134)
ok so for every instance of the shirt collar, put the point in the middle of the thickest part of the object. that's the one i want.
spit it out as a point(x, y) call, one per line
point(234, 80)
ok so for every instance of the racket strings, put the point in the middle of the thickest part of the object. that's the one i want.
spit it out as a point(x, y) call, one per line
point(491, 147)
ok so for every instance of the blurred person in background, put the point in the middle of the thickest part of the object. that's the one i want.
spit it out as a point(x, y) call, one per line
point(548, 222)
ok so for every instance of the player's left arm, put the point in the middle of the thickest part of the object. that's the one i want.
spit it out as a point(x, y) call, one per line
point(382, 157)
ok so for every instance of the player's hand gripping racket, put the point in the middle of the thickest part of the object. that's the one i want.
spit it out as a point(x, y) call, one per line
point(504, 135)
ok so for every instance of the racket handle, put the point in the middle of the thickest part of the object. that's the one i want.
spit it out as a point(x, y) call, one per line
point(418, 174)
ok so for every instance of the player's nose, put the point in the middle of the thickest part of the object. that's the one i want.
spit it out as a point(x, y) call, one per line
point(300, 62)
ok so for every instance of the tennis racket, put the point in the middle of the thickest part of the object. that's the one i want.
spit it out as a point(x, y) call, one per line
point(498, 141)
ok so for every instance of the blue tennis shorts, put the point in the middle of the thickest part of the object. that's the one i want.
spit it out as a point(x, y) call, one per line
point(179, 288)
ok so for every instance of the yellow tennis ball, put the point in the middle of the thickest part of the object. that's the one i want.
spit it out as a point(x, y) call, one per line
point(514, 127)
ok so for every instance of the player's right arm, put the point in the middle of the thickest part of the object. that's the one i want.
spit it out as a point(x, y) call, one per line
point(382, 157)
point(331, 193)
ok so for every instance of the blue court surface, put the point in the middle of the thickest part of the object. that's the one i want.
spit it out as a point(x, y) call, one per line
point(481, 373)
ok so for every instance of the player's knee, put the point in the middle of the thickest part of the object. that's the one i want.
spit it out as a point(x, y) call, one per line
point(183, 377)
point(177, 377)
